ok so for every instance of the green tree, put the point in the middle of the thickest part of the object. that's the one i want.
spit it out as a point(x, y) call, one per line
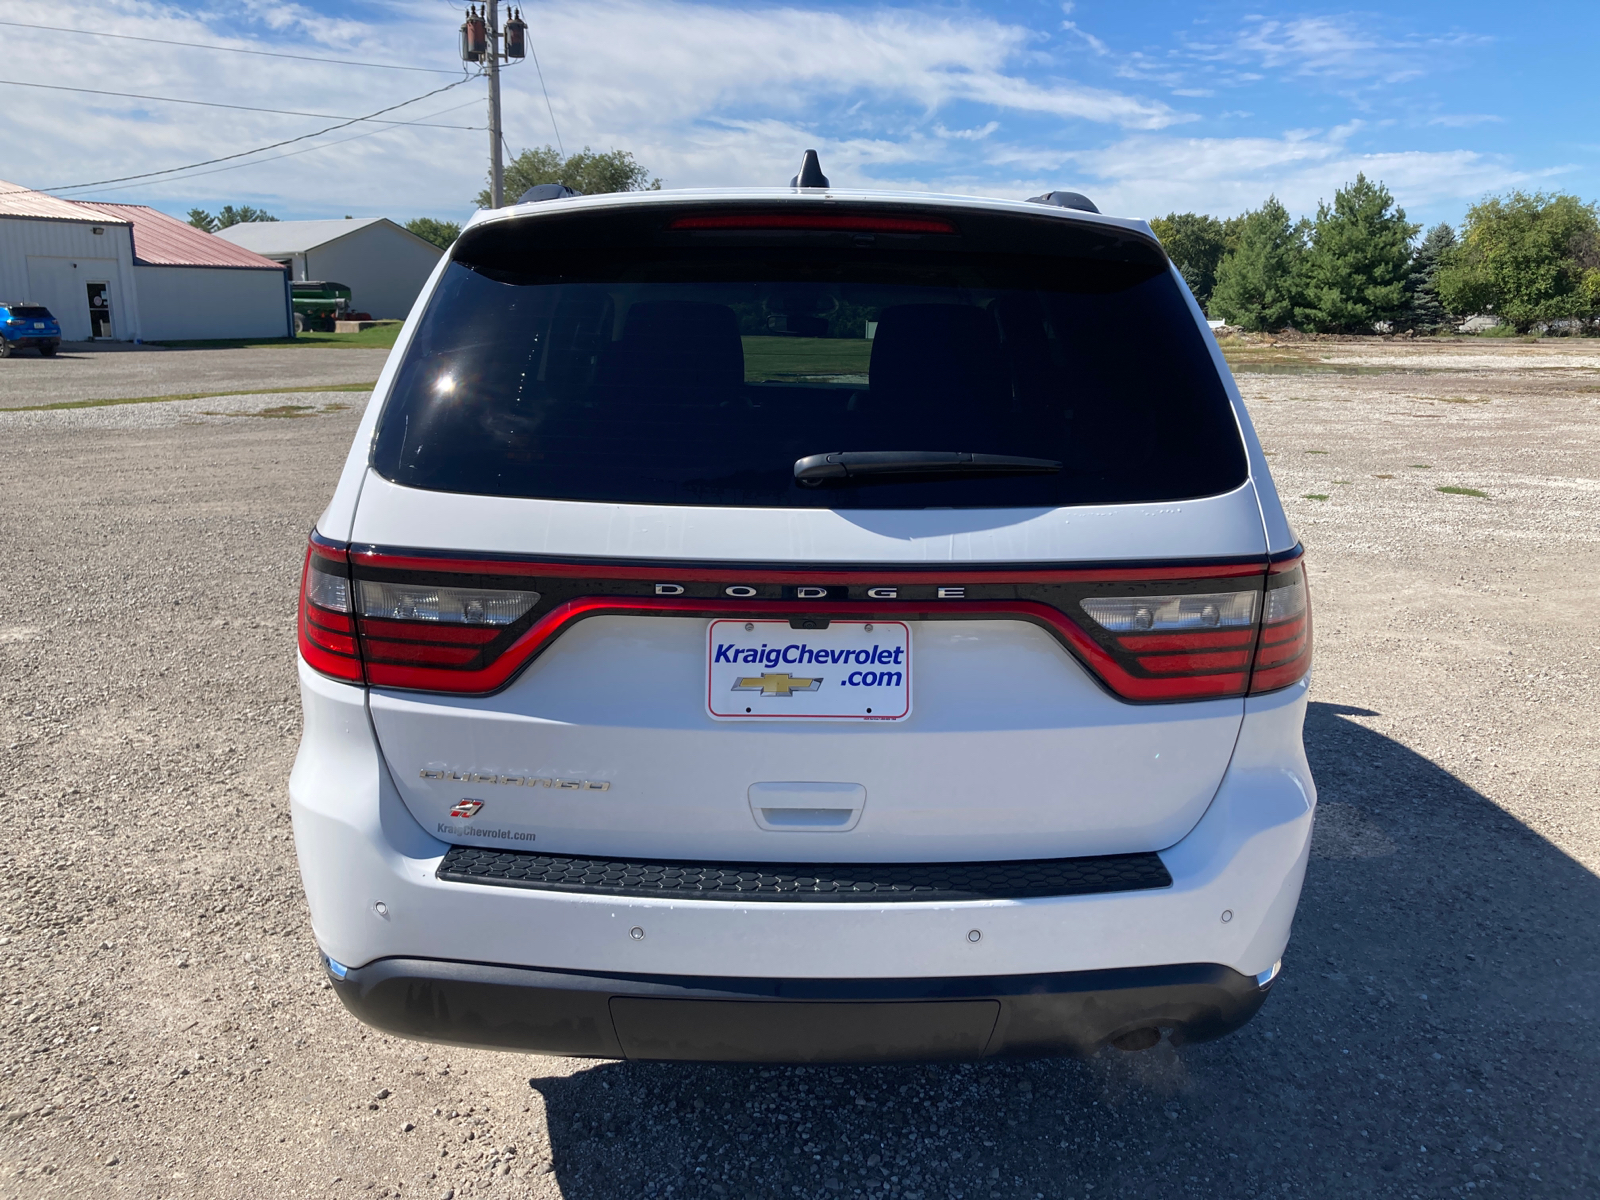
point(1423, 310)
point(1231, 229)
point(1354, 273)
point(243, 215)
point(1527, 259)
point(440, 233)
point(588, 171)
point(226, 216)
point(1196, 244)
point(1256, 279)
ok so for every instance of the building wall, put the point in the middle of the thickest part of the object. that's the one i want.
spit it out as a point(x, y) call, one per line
point(383, 266)
point(184, 303)
point(52, 262)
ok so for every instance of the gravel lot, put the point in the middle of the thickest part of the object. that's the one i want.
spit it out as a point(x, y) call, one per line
point(90, 371)
point(165, 1032)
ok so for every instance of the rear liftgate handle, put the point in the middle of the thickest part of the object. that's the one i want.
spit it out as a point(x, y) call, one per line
point(807, 807)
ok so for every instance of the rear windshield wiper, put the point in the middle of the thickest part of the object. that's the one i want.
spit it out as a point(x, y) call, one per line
point(861, 464)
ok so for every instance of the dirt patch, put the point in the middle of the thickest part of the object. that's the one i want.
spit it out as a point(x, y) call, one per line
point(165, 1030)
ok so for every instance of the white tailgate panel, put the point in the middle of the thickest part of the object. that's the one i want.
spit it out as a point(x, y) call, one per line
point(1210, 527)
point(1011, 751)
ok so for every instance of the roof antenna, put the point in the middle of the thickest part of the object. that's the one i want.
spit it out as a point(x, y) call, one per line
point(811, 175)
point(1075, 200)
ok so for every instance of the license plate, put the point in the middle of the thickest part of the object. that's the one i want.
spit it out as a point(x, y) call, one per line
point(38, 324)
point(768, 671)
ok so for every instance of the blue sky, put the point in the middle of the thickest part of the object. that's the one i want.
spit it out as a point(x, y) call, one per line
point(1147, 107)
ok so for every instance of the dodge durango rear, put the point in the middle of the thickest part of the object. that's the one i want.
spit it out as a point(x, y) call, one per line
point(804, 625)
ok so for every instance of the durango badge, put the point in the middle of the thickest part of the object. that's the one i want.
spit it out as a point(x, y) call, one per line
point(569, 785)
point(467, 808)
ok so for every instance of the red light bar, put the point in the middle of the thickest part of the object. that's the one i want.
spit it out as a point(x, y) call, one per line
point(344, 628)
point(404, 560)
point(829, 222)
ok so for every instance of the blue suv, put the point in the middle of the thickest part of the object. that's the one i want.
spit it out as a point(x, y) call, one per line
point(23, 325)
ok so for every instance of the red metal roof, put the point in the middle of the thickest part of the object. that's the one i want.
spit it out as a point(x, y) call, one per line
point(18, 201)
point(163, 241)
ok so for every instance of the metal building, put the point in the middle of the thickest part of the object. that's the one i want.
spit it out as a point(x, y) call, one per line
point(124, 272)
point(74, 259)
point(382, 264)
point(194, 285)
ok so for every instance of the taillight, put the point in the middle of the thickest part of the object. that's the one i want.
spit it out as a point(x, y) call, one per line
point(1158, 645)
point(1177, 646)
point(1283, 654)
point(327, 624)
point(425, 635)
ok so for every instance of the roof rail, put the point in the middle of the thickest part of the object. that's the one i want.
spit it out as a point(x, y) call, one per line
point(1066, 200)
point(547, 191)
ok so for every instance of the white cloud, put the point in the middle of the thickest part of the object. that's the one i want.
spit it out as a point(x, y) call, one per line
point(702, 93)
point(1465, 120)
point(1150, 175)
point(1089, 39)
point(1344, 48)
point(969, 135)
point(684, 61)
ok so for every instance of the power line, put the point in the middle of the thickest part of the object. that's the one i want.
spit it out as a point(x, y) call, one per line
point(398, 125)
point(282, 112)
point(71, 187)
point(546, 92)
point(128, 37)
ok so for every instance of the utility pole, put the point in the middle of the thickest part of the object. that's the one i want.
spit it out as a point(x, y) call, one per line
point(481, 42)
point(497, 180)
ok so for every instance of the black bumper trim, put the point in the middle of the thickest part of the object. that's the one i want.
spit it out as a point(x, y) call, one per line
point(817, 882)
point(691, 1018)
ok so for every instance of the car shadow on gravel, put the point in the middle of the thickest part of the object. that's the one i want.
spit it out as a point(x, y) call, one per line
point(1429, 1037)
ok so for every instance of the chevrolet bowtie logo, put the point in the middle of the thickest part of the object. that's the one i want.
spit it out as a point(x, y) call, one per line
point(776, 685)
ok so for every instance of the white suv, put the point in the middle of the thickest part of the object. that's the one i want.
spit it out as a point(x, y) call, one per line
point(804, 625)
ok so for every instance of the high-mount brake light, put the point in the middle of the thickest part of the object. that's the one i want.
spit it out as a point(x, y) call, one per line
point(327, 624)
point(823, 222)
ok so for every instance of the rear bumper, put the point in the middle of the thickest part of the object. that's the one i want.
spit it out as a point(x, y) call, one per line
point(411, 938)
point(664, 1017)
point(24, 343)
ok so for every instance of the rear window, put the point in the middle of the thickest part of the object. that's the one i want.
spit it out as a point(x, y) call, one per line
point(673, 356)
point(36, 312)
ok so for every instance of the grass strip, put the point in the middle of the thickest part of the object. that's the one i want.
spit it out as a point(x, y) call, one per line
point(792, 358)
point(329, 387)
point(380, 337)
point(1462, 491)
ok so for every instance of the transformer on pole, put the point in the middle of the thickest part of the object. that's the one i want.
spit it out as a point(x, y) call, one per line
point(481, 41)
